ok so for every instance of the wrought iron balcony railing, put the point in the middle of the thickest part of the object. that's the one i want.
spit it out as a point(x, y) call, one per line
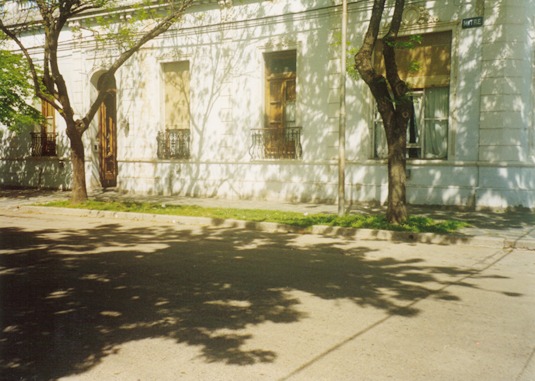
point(43, 144)
point(174, 144)
point(276, 143)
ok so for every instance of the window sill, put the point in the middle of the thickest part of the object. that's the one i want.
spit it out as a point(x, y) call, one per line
point(271, 161)
point(417, 161)
point(49, 158)
point(172, 160)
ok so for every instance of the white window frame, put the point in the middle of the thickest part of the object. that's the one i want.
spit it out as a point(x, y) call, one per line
point(380, 152)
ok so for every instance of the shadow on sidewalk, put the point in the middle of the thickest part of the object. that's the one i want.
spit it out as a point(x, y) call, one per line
point(69, 298)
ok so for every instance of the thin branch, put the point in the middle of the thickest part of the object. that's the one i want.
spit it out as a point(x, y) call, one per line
point(35, 77)
point(399, 87)
point(160, 28)
point(363, 59)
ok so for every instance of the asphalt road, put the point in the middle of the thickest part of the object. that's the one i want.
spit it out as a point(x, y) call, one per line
point(96, 299)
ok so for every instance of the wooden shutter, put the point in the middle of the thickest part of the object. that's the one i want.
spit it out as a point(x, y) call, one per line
point(177, 95)
point(49, 112)
point(433, 56)
point(280, 89)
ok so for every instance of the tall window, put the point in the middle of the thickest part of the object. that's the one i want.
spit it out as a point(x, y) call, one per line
point(426, 68)
point(280, 89)
point(281, 137)
point(174, 141)
point(44, 141)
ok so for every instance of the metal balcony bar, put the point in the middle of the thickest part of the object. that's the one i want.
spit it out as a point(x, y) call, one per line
point(43, 144)
point(174, 144)
point(276, 143)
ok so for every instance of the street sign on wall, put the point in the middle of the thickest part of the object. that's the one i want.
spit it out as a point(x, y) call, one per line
point(472, 22)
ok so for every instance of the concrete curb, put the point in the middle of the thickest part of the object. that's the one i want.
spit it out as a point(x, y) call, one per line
point(272, 227)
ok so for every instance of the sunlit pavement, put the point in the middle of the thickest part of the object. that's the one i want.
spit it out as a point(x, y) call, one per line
point(86, 298)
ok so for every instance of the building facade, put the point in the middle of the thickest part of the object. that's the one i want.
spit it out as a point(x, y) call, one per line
point(242, 101)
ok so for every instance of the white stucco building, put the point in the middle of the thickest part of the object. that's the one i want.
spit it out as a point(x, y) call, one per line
point(243, 101)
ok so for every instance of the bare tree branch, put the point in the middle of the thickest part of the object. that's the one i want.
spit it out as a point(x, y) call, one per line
point(33, 70)
point(160, 28)
point(52, 16)
point(363, 59)
point(399, 87)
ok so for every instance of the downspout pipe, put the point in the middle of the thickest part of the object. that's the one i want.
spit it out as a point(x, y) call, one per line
point(342, 127)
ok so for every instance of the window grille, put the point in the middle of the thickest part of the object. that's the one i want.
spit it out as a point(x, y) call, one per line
point(43, 144)
point(174, 144)
point(276, 143)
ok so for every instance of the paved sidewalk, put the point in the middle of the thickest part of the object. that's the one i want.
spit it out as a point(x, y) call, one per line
point(124, 299)
point(140, 297)
point(512, 228)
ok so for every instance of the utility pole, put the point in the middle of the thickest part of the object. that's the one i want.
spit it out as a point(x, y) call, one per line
point(342, 126)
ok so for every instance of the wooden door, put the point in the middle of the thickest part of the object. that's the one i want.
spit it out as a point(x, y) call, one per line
point(280, 103)
point(108, 140)
point(280, 116)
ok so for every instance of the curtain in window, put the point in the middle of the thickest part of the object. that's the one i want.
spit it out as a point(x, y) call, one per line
point(414, 127)
point(414, 131)
point(436, 122)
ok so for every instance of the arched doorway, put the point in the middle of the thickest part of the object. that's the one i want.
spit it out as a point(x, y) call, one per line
point(107, 136)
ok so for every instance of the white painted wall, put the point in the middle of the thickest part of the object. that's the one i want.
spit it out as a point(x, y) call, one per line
point(491, 161)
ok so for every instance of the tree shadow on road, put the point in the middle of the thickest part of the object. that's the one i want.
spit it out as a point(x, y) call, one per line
point(70, 298)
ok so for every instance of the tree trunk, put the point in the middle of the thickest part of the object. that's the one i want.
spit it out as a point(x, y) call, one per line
point(395, 108)
point(79, 190)
point(396, 207)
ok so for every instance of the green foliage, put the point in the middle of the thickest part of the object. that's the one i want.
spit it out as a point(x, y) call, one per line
point(415, 66)
point(351, 51)
point(15, 90)
point(125, 30)
point(415, 224)
point(352, 71)
point(409, 43)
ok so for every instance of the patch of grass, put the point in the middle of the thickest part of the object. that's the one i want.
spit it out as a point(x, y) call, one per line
point(416, 224)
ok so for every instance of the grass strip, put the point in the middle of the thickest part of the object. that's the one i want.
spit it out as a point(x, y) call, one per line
point(415, 224)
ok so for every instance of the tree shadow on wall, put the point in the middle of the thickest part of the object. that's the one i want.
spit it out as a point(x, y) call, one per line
point(69, 298)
